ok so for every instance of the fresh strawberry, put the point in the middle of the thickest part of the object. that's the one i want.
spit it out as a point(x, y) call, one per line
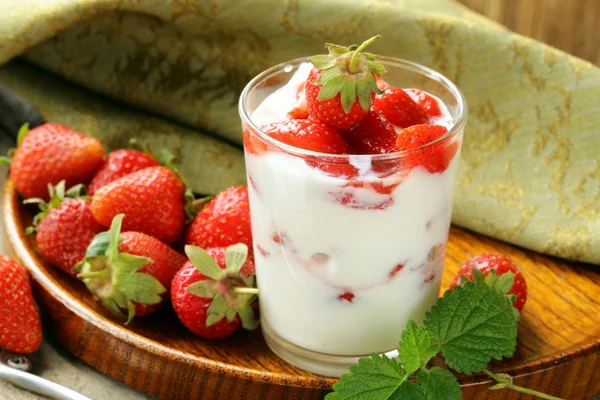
point(399, 108)
point(435, 157)
point(498, 271)
point(222, 222)
point(309, 135)
point(373, 135)
point(425, 101)
point(49, 154)
point(65, 227)
point(341, 87)
point(20, 325)
point(152, 200)
point(118, 164)
point(213, 293)
point(300, 108)
point(129, 272)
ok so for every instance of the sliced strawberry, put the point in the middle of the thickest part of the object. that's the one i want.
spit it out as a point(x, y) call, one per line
point(425, 101)
point(300, 107)
point(399, 108)
point(373, 135)
point(309, 135)
point(435, 157)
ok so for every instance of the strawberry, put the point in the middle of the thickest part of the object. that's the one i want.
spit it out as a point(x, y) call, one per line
point(425, 101)
point(341, 87)
point(498, 271)
point(373, 135)
point(20, 324)
point(129, 272)
point(300, 108)
point(399, 108)
point(309, 135)
point(435, 157)
point(118, 164)
point(223, 222)
point(152, 200)
point(213, 293)
point(65, 227)
point(49, 154)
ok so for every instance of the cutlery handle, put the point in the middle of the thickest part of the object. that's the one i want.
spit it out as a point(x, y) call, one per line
point(38, 385)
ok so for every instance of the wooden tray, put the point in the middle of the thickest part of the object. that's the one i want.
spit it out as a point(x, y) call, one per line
point(558, 351)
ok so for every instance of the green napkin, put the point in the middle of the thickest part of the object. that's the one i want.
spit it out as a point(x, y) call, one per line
point(530, 171)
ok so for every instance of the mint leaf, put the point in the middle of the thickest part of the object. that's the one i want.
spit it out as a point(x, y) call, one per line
point(438, 383)
point(417, 347)
point(473, 324)
point(407, 391)
point(373, 378)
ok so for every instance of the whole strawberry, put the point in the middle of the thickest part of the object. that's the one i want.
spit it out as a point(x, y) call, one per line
point(341, 87)
point(497, 271)
point(20, 325)
point(49, 154)
point(213, 293)
point(65, 228)
point(373, 135)
point(118, 164)
point(309, 135)
point(223, 222)
point(152, 200)
point(129, 272)
point(433, 156)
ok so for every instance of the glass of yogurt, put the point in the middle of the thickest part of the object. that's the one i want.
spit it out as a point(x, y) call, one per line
point(347, 247)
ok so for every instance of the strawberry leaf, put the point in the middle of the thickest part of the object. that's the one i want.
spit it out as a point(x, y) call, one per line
point(327, 75)
point(478, 276)
point(348, 95)
point(246, 313)
point(204, 262)
point(505, 282)
point(322, 62)
point(439, 383)
point(364, 93)
point(235, 257)
point(206, 288)
point(23, 131)
point(417, 347)
point(336, 50)
point(473, 324)
point(331, 88)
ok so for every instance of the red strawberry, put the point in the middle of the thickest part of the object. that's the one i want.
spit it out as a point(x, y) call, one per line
point(49, 154)
point(373, 135)
point(213, 293)
point(435, 157)
point(65, 228)
point(129, 272)
point(399, 108)
point(309, 135)
point(425, 101)
point(152, 200)
point(223, 222)
point(490, 268)
point(20, 325)
point(300, 108)
point(118, 164)
point(341, 87)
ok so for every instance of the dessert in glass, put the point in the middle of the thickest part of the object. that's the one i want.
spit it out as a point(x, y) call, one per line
point(350, 212)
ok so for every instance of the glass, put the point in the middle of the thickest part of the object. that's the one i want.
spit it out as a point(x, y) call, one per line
point(348, 248)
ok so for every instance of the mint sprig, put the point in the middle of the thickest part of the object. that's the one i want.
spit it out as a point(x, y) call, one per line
point(470, 325)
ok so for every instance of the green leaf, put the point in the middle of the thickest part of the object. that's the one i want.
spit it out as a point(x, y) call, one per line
point(327, 75)
point(98, 245)
point(322, 62)
point(373, 84)
point(217, 310)
point(235, 257)
point(438, 383)
point(363, 92)
point(76, 191)
point(336, 50)
point(373, 378)
point(247, 316)
point(206, 288)
point(348, 95)
point(204, 262)
point(377, 68)
point(139, 287)
point(23, 130)
point(505, 282)
point(129, 263)
point(5, 160)
point(331, 88)
point(473, 324)
point(112, 251)
point(417, 347)
point(478, 276)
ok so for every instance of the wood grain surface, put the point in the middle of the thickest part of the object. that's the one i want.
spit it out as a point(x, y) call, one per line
point(569, 25)
point(558, 350)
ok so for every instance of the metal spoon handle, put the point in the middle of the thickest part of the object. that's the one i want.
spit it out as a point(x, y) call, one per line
point(38, 385)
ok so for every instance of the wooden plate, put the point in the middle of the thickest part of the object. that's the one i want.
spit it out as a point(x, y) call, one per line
point(558, 351)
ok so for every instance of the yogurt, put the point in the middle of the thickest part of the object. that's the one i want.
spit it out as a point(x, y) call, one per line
point(342, 264)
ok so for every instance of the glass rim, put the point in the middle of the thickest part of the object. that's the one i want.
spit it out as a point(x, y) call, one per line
point(457, 127)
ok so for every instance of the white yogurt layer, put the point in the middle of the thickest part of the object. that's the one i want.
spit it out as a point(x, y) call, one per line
point(341, 269)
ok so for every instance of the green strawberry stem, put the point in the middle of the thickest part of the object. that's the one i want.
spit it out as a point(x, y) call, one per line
point(354, 58)
point(23, 130)
point(245, 290)
point(505, 381)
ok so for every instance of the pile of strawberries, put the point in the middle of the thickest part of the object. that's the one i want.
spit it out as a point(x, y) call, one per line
point(345, 107)
point(122, 238)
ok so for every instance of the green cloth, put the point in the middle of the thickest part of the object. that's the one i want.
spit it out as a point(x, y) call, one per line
point(530, 170)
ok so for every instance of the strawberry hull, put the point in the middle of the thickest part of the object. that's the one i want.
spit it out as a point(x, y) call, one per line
point(344, 260)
